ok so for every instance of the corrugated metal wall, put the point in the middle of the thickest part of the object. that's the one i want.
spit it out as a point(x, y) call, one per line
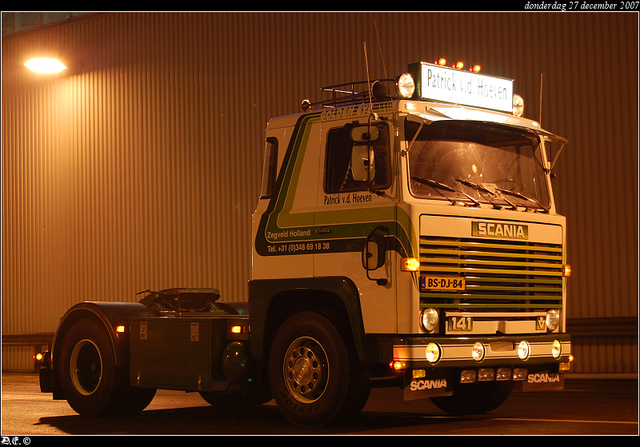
point(139, 167)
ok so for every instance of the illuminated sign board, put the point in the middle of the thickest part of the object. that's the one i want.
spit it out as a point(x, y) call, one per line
point(438, 83)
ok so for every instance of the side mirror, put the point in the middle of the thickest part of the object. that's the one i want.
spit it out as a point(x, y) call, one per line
point(362, 164)
point(373, 253)
point(364, 134)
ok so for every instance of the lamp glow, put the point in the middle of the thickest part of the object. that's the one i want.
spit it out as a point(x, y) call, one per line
point(45, 65)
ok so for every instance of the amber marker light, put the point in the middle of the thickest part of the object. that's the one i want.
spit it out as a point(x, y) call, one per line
point(566, 270)
point(475, 68)
point(120, 329)
point(45, 65)
point(410, 264)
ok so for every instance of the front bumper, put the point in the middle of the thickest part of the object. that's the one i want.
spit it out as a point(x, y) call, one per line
point(503, 350)
point(503, 359)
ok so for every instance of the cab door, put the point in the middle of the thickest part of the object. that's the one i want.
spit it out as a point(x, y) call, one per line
point(356, 203)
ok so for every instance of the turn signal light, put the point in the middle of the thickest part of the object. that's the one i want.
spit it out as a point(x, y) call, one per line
point(410, 264)
point(397, 365)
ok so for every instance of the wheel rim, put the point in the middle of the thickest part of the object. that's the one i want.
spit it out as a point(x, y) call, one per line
point(85, 367)
point(306, 370)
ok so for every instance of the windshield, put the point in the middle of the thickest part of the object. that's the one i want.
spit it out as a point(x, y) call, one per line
point(476, 163)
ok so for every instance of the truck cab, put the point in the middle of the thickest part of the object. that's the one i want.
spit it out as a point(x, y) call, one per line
point(435, 208)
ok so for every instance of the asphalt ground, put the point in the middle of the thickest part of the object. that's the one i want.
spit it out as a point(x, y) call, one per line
point(584, 407)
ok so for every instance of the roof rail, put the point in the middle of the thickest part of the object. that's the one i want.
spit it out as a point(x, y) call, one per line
point(346, 94)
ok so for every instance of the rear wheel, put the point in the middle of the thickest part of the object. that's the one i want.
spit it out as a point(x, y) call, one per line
point(474, 398)
point(92, 383)
point(315, 378)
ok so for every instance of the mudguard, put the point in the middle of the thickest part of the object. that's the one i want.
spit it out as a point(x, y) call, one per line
point(111, 314)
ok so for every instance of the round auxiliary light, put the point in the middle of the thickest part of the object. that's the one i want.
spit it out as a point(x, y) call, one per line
point(478, 351)
point(475, 68)
point(556, 349)
point(378, 91)
point(432, 352)
point(553, 319)
point(458, 65)
point(518, 105)
point(524, 350)
point(406, 85)
point(429, 319)
point(441, 61)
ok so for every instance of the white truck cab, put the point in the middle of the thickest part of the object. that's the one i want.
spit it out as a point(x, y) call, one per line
point(436, 206)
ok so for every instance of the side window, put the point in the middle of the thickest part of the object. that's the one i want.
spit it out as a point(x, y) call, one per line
point(269, 168)
point(357, 165)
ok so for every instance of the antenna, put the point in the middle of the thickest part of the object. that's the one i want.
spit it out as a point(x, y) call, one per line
point(380, 48)
point(366, 61)
point(540, 120)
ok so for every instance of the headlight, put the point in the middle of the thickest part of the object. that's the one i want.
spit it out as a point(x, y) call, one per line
point(432, 353)
point(429, 319)
point(556, 349)
point(477, 351)
point(553, 319)
point(523, 350)
point(406, 86)
point(518, 105)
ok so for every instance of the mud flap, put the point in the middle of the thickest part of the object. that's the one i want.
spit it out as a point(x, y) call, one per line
point(434, 384)
point(543, 381)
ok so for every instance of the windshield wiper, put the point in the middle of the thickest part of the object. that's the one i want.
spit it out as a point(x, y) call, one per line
point(441, 186)
point(488, 193)
point(525, 198)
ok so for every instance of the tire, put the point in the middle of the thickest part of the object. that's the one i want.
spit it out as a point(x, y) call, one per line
point(92, 383)
point(474, 398)
point(315, 378)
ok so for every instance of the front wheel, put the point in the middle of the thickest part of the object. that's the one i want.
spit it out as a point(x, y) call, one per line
point(92, 383)
point(315, 378)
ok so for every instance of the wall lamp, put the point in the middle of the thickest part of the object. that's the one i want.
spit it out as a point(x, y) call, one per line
point(45, 65)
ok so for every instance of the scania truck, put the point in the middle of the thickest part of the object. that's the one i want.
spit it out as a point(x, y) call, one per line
point(406, 235)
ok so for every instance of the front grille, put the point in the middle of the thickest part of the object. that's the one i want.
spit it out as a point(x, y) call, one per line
point(500, 276)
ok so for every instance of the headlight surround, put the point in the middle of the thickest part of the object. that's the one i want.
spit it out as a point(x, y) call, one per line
point(429, 319)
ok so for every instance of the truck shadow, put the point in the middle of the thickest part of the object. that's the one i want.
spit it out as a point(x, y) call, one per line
point(203, 420)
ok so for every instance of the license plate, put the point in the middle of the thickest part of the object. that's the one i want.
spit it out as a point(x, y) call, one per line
point(442, 284)
point(460, 324)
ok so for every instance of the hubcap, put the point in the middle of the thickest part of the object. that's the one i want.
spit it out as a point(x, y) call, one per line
point(85, 367)
point(306, 369)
